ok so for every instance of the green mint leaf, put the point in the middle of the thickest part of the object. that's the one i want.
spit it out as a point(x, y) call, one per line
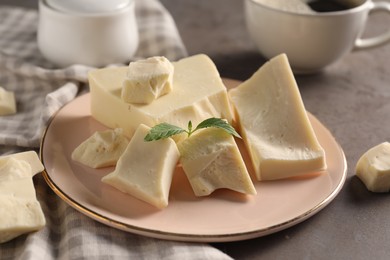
point(162, 131)
point(218, 123)
point(165, 130)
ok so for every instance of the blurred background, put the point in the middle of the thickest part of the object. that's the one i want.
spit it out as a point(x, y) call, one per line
point(217, 29)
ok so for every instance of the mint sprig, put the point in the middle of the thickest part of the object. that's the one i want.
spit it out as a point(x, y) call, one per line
point(162, 131)
point(165, 130)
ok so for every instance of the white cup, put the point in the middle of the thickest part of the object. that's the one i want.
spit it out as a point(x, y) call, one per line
point(312, 40)
point(90, 36)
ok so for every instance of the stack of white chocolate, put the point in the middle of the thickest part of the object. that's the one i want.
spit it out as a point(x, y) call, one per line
point(267, 109)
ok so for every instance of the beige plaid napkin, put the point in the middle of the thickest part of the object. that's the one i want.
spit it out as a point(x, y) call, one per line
point(40, 90)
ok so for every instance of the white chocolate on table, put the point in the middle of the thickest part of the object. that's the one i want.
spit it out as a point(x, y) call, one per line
point(20, 211)
point(7, 102)
point(373, 168)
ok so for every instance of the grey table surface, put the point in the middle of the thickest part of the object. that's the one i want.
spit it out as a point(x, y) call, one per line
point(351, 98)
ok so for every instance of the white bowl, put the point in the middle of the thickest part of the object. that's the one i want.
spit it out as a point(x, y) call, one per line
point(69, 34)
point(312, 41)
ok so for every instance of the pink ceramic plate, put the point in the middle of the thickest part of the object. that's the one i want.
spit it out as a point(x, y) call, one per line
point(223, 216)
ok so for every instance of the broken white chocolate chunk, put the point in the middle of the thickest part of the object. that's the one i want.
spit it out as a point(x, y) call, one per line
point(102, 149)
point(7, 102)
point(198, 94)
point(147, 80)
point(373, 168)
point(19, 216)
point(20, 212)
point(29, 157)
point(274, 124)
point(12, 169)
point(211, 160)
point(145, 169)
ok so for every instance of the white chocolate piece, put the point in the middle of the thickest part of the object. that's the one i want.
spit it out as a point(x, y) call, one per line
point(20, 212)
point(7, 102)
point(274, 124)
point(22, 188)
point(29, 157)
point(211, 160)
point(198, 93)
point(12, 169)
point(147, 80)
point(19, 216)
point(145, 169)
point(101, 149)
point(373, 168)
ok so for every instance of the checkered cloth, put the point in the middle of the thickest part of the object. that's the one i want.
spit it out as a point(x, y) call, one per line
point(40, 90)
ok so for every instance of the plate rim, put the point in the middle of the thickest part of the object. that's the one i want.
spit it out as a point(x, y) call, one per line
point(239, 236)
point(229, 237)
